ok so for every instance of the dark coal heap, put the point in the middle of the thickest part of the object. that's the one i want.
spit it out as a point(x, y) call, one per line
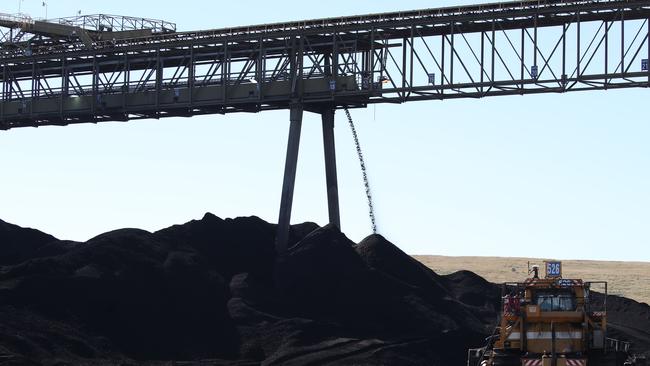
point(214, 289)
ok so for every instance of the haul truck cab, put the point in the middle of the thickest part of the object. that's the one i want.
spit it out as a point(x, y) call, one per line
point(551, 321)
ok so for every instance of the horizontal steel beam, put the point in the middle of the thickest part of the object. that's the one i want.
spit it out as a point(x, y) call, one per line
point(546, 13)
point(433, 54)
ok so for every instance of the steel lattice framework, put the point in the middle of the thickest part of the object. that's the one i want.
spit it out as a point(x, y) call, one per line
point(89, 72)
point(475, 51)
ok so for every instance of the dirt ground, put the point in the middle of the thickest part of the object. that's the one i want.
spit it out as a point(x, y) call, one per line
point(629, 279)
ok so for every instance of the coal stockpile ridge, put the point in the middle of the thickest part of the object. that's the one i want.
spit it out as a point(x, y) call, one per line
point(213, 289)
point(20, 244)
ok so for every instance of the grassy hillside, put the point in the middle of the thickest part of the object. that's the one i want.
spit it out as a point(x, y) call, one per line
point(629, 279)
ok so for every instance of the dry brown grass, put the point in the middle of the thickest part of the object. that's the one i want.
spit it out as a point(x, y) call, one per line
point(629, 279)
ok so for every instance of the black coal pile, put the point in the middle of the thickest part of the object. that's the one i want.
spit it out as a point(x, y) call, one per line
point(19, 244)
point(214, 289)
point(628, 320)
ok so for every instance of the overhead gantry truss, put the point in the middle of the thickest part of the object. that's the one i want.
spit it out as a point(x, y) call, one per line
point(466, 52)
point(53, 75)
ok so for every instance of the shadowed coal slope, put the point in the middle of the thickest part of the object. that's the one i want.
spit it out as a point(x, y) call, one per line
point(19, 244)
point(214, 289)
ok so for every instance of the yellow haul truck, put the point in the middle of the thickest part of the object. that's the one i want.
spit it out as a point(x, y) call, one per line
point(552, 321)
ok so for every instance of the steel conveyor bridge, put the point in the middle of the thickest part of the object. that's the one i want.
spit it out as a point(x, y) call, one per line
point(105, 68)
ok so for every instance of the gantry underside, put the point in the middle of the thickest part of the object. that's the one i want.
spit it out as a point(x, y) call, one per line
point(432, 54)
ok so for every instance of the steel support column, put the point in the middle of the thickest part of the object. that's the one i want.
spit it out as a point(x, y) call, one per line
point(330, 167)
point(284, 221)
point(5, 96)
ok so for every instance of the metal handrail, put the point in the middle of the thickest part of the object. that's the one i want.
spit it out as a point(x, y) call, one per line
point(321, 25)
point(117, 22)
point(618, 345)
point(6, 19)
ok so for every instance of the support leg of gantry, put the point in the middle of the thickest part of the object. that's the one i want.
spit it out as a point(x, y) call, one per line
point(330, 167)
point(284, 221)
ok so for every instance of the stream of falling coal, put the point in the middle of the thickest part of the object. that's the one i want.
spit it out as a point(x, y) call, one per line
point(366, 183)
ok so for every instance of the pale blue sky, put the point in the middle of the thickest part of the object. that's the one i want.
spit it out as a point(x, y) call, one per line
point(563, 176)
